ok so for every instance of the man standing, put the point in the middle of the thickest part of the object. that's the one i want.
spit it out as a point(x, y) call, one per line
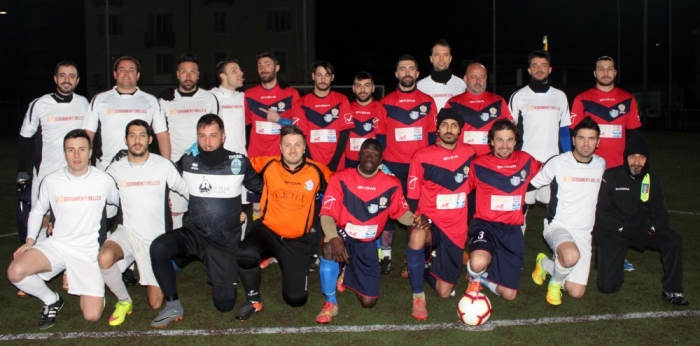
point(325, 117)
point(144, 180)
point(495, 237)
point(631, 211)
point(291, 185)
point(408, 126)
point(214, 178)
point(76, 195)
point(358, 201)
point(575, 180)
point(51, 116)
point(231, 104)
point(437, 188)
point(441, 85)
point(183, 107)
point(366, 113)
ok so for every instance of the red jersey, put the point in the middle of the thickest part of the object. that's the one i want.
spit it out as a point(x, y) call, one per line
point(479, 112)
point(501, 185)
point(410, 118)
point(322, 119)
point(437, 178)
point(366, 119)
point(360, 205)
point(614, 111)
point(265, 135)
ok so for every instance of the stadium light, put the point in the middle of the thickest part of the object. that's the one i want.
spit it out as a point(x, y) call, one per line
point(3, 12)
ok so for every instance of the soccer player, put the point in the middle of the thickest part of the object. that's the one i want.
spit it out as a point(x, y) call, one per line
point(542, 115)
point(291, 185)
point(441, 85)
point(231, 103)
point(76, 196)
point(144, 180)
point(214, 177)
point(267, 108)
point(496, 240)
point(325, 117)
point(366, 113)
point(437, 187)
point(631, 211)
point(575, 180)
point(409, 125)
point(358, 201)
point(51, 117)
point(183, 108)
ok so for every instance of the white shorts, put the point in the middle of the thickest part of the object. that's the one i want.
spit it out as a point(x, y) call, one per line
point(84, 276)
point(540, 195)
point(135, 249)
point(555, 235)
point(179, 203)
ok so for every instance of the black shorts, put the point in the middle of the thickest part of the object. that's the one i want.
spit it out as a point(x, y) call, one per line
point(362, 272)
point(220, 261)
point(447, 263)
point(506, 245)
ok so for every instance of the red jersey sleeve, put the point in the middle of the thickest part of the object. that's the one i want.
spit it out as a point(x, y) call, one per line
point(415, 179)
point(633, 116)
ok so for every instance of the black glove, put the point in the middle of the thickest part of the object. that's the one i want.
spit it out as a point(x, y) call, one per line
point(22, 176)
point(639, 234)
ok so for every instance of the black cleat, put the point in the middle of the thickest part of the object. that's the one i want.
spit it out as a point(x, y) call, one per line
point(315, 263)
point(248, 309)
point(674, 298)
point(48, 314)
point(385, 265)
point(129, 278)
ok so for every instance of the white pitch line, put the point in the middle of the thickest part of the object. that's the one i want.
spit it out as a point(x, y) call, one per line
point(350, 329)
point(683, 212)
point(7, 235)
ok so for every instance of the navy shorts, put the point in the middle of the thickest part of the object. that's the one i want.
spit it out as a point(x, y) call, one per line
point(400, 170)
point(362, 273)
point(506, 245)
point(447, 263)
point(252, 197)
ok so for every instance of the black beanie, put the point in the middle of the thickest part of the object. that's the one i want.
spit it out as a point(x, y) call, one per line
point(449, 113)
point(637, 145)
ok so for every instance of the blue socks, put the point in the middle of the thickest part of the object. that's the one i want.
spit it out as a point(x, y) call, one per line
point(415, 263)
point(329, 272)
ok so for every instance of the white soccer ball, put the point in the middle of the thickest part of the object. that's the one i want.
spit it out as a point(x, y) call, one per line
point(474, 308)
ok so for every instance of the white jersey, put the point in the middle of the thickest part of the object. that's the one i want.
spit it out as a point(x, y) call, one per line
point(539, 116)
point(442, 92)
point(77, 203)
point(53, 119)
point(233, 114)
point(143, 192)
point(113, 111)
point(574, 188)
point(182, 114)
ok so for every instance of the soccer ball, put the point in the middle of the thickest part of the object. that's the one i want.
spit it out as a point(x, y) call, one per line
point(474, 308)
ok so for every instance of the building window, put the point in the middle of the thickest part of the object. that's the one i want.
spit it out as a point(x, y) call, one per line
point(219, 21)
point(160, 30)
point(279, 21)
point(115, 24)
point(164, 63)
point(281, 56)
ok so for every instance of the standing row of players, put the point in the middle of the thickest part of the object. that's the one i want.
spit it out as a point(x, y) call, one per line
point(403, 122)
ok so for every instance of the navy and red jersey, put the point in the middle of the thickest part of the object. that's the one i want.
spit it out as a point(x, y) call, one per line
point(437, 178)
point(479, 112)
point(615, 111)
point(410, 118)
point(265, 135)
point(366, 119)
point(361, 206)
point(322, 119)
point(501, 185)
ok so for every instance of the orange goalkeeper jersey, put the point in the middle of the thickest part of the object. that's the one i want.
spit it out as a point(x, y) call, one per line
point(288, 200)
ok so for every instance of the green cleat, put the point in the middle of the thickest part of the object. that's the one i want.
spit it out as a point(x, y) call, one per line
point(539, 274)
point(554, 293)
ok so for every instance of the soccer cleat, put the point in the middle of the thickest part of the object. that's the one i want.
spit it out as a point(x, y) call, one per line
point(628, 266)
point(48, 314)
point(168, 315)
point(404, 273)
point(474, 285)
point(674, 298)
point(315, 263)
point(420, 311)
point(339, 284)
point(119, 314)
point(129, 278)
point(65, 281)
point(385, 265)
point(539, 274)
point(266, 262)
point(326, 315)
point(248, 309)
point(554, 293)
point(21, 294)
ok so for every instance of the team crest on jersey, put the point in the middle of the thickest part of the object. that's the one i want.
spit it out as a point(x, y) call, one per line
point(614, 113)
point(236, 166)
point(309, 185)
point(523, 174)
point(335, 112)
point(493, 111)
point(372, 208)
point(328, 118)
point(466, 171)
point(459, 178)
point(205, 186)
point(59, 199)
point(645, 188)
point(367, 126)
point(621, 107)
point(423, 109)
point(515, 181)
point(382, 202)
point(484, 116)
point(280, 107)
point(413, 115)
